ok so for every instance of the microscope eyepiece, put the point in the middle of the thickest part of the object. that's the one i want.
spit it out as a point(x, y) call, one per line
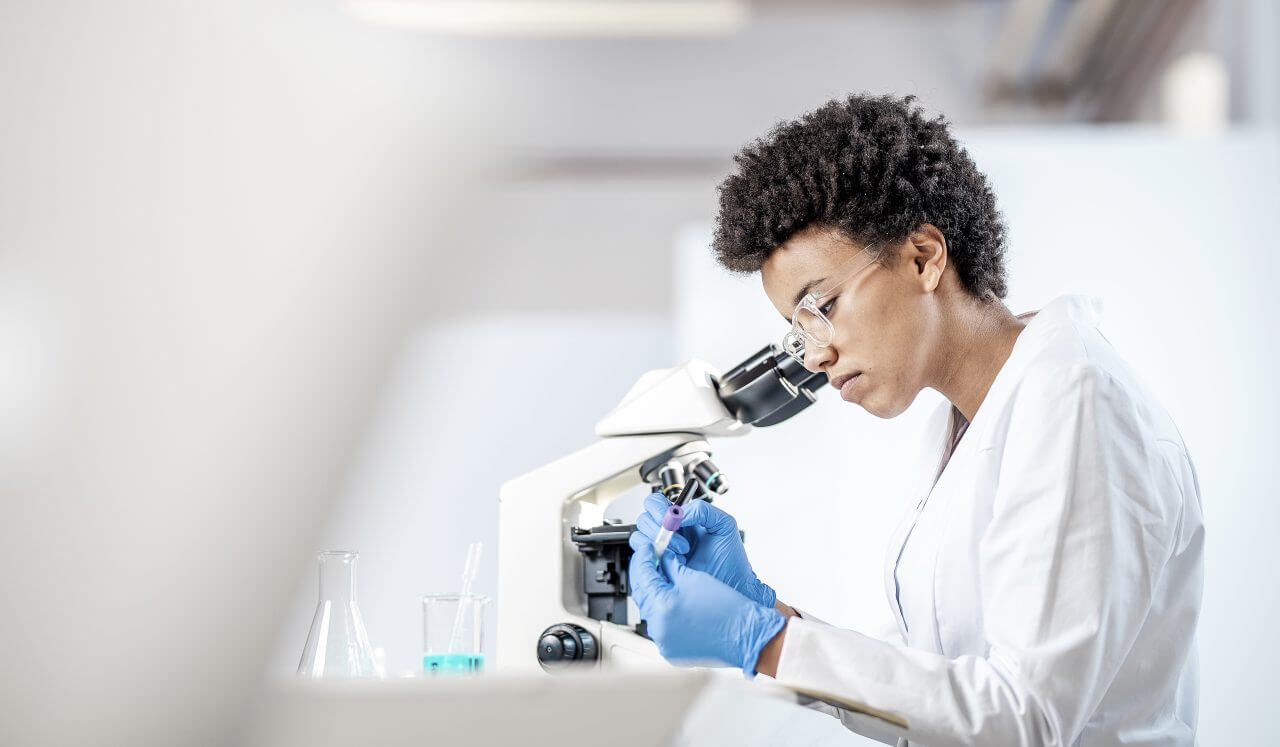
point(768, 387)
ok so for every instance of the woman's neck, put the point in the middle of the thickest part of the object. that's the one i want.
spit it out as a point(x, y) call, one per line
point(978, 339)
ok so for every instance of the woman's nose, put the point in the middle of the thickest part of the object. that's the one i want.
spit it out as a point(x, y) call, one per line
point(816, 358)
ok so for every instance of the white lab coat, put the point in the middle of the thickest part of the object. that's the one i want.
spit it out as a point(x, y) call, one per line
point(1046, 587)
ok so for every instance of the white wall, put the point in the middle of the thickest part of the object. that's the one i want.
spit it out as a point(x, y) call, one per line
point(681, 96)
point(1173, 235)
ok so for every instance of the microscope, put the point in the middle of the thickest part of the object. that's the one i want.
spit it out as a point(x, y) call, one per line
point(562, 569)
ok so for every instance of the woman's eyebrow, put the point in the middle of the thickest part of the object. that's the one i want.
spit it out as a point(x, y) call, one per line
point(805, 289)
point(800, 294)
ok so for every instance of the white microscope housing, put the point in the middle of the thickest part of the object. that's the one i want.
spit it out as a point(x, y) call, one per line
point(562, 570)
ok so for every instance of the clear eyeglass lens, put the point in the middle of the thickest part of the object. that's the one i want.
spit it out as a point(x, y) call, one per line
point(814, 326)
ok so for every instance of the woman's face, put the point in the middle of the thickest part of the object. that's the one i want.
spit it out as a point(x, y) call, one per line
point(884, 316)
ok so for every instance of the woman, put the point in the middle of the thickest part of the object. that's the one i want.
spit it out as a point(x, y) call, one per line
point(1046, 579)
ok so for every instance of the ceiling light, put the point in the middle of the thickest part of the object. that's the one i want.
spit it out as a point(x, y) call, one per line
point(556, 18)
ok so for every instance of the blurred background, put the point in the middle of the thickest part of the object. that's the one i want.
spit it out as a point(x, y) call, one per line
point(278, 277)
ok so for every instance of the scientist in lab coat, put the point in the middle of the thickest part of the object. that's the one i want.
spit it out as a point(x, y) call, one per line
point(1046, 576)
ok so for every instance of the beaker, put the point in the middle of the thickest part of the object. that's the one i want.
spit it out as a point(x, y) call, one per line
point(337, 645)
point(453, 633)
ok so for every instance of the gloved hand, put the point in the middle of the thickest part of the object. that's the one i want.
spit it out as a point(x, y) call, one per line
point(695, 618)
point(709, 539)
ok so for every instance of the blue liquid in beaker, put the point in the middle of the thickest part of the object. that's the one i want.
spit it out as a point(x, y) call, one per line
point(452, 663)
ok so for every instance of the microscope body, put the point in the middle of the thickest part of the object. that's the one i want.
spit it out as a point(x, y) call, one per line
point(562, 570)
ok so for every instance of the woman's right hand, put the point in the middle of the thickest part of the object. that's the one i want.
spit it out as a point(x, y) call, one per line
point(709, 541)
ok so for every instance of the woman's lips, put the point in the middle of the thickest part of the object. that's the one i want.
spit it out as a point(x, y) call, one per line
point(845, 383)
point(846, 389)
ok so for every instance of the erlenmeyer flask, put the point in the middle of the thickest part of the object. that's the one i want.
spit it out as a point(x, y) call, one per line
point(338, 645)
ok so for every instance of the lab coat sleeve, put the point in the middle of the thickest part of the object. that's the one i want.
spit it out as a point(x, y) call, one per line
point(888, 631)
point(1068, 567)
point(865, 725)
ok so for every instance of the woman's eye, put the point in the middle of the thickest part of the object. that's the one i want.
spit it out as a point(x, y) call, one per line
point(826, 307)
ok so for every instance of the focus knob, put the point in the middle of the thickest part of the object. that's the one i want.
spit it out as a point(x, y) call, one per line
point(563, 645)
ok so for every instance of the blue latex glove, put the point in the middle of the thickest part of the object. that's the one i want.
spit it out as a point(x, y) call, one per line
point(709, 540)
point(695, 618)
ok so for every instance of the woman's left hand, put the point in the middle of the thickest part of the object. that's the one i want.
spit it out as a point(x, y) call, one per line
point(695, 618)
point(710, 542)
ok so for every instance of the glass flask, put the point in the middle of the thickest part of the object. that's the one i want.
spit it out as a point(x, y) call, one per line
point(338, 645)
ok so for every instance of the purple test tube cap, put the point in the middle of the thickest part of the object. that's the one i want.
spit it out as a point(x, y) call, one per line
point(671, 520)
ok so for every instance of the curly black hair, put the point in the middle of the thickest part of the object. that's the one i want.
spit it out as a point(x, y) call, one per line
point(874, 168)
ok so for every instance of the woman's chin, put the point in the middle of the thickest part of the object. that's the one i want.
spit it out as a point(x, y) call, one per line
point(882, 407)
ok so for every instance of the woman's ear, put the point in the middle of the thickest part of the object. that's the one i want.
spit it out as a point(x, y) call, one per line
point(928, 248)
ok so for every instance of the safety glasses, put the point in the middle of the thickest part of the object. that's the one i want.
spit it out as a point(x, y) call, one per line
point(810, 327)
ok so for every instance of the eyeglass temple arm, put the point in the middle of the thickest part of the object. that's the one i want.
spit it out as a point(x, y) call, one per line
point(823, 294)
point(768, 387)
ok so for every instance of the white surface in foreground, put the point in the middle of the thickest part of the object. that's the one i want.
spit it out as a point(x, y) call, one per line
point(704, 707)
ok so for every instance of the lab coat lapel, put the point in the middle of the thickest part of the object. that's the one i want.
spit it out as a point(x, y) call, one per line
point(934, 448)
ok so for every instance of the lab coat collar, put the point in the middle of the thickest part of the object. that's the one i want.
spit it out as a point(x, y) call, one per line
point(1082, 310)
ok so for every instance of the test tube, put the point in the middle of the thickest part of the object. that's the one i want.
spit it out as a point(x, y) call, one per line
point(670, 523)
